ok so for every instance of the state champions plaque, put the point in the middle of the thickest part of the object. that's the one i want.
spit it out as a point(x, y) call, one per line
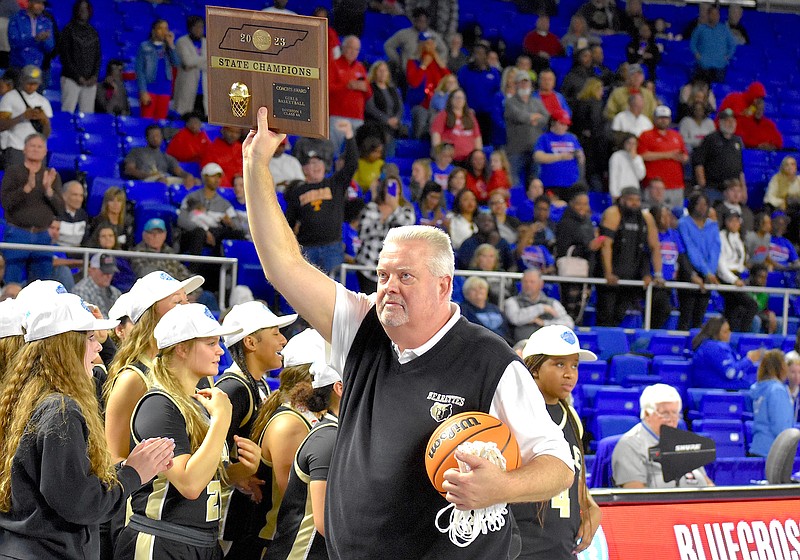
point(277, 61)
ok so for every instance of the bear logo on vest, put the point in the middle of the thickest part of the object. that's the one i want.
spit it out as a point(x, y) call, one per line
point(441, 411)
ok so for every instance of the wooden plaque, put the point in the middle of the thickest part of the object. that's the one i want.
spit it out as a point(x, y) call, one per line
point(277, 61)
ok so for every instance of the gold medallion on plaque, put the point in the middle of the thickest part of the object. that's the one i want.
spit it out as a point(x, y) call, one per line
point(240, 99)
point(262, 40)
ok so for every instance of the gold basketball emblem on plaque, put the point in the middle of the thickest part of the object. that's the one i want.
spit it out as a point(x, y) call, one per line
point(240, 99)
point(262, 40)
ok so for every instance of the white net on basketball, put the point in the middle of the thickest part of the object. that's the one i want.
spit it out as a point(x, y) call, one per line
point(465, 526)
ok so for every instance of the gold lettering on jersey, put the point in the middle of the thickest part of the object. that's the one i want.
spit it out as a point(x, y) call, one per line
point(315, 197)
point(264, 67)
point(452, 399)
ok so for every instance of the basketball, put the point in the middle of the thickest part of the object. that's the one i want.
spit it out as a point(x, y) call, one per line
point(467, 426)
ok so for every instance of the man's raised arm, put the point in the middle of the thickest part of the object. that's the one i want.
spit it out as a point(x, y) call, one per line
point(309, 291)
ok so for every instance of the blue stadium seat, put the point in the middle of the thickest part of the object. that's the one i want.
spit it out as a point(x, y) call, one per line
point(667, 344)
point(593, 372)
point(250, 272)
point(589, 341)
point(601, 471)
point(725, 446)
point(613, 424)
point(728, 434)
point(673, 371)
point(65, 164)
point(612, 341)
point(96, 123)
point(141, 191)
point(626, 366)
point(736, 471)
point(410, 148)
point(720, 404)
point(106, 145)
point(749, 342)
point(616, 400)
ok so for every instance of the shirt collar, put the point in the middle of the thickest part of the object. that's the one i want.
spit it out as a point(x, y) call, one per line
point(409, 354)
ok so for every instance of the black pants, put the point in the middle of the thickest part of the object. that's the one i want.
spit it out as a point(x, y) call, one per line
point(487, 126)
point(163, 549)
point(193, 242)
point(613, 302)
point(693, 305)
point(661, 307)
point(740, 309)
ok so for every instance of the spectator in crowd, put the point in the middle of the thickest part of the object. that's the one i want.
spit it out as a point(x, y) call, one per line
point(348, 90)
point(347, 18)
point(155, 61)
point(530, 253)
point(154, 240)
point(531, 309)
point(62, 265)
point(525, 117)
point(105, 237)
point(643, 49)
point(31, 199)
point(675, 265)
point(476, 308)
point(700, 236)
point(631, 120)
point(226, 151)
point(456, 182)
point(96, 287)
point(552, 100)
point(385, 107)
point(601, 71)
point(541, 44)
point(578, 36)
point(442, 164)
point(702, 18)
point(575, 231)
point(757, 131)
point(457, 57)
point(618, 99)
point(190, 143)
point(559, 154)
point(632, 18)
point(506, 225)
point(486, 258)
point(664, 155)
point(307, 148)
point(500, 171)
point(424, 73)
point(602, 16)
point(631, 465)
point(478, 173)
point(696, 91)
point(486, 232)
point(719, 158)
point(370, 164)
point(783, 190)
point(457, 125)
point(716, 365)
point(23, 112)
point(79, 50)
point(285, 168)
point(757, 241)
point(74, 219)
point(592, 130)
point(112, 97)
point(743, 102)
point(191, 80)
point(316, 207)
point(442, 16)
point(480, 83)
point(114, 212)
point(421, 173)
point(30, 35)
point(773, 409)
point(404, 45)
point(8, 9)
point(447, 85)
point(543, 227)
point(462, 218)
point(387, 210)
point(629, 248)
point(782, 253)
point(733, 199)
point(150, 163)
point(334, 45)
point(794, 380)
point(695, 127)
point(429, 210)
point(765, 319)
point(240, 205)
point(576, 78)
point(713, 46)
point(734, 23)
point(740, 308)
point(626, 167)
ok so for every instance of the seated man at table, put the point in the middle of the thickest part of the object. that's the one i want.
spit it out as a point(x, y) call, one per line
point(631, 466)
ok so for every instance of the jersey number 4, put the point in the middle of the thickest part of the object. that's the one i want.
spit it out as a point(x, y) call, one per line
point(561, 502)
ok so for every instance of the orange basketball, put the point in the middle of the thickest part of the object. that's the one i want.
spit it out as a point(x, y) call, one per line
point(467, 426)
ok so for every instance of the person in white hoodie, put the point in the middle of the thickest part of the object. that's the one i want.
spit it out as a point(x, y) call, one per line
point(625, 168)
point(740, 308)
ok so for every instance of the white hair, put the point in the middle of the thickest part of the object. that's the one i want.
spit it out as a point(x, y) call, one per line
point(473, 282)
point(441, 260)
point(656, 394)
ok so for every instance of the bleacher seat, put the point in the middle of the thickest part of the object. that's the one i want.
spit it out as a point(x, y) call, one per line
point(667, 344)
point(612, 341)
point(673, 371)
point(749, 342)
point(736, 471)
point(728, 434)
point(613, 424)
point(250, 272)
point(715, 403)
point(601, 471)
point(627, 369)
point(593, 372)
point(616, 400)
point(148, 191)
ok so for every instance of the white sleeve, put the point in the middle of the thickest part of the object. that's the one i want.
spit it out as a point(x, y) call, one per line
point(614, 173)
point(616, 124)
point(639, 168)
point(47, 108)
point(519, 403)
point(348, 312)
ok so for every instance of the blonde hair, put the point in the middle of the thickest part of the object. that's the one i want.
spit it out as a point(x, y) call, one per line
point(9, 346)
point(373, 72)
point(426, 166)
point(590, 89)
point(485, 248)
point(773, 366)
point(196, 422)
point(138, 343)
point(441, 87)
point(114, 193)
point(504, 163)
point(53, 365)
point(295, 388)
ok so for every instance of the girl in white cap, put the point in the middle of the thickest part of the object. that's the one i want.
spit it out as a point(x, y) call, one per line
point(255, 350)
point(565, 525)
point(10, 334)
point(57, 480)
point(282, 424)
point(177, 515)
point(128, 378)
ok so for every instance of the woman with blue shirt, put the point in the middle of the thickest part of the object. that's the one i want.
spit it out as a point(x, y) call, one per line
point(773, 410)
point(559, 153)
point(700, 236)
point(716, 365)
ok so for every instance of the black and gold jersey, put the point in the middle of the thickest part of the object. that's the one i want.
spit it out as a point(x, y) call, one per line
point(296, 537)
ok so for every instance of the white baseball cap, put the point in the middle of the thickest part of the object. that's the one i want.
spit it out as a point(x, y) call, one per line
point(39, 290)
point(556, 340)
point(10, 318)
point(154, 287)
point(121, 307)
point(308, 347)
point(187, 322)
point(64, 313)
point(212, 169)
point(250, 317)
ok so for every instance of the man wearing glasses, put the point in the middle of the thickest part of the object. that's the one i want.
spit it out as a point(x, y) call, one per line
point(660, 405)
